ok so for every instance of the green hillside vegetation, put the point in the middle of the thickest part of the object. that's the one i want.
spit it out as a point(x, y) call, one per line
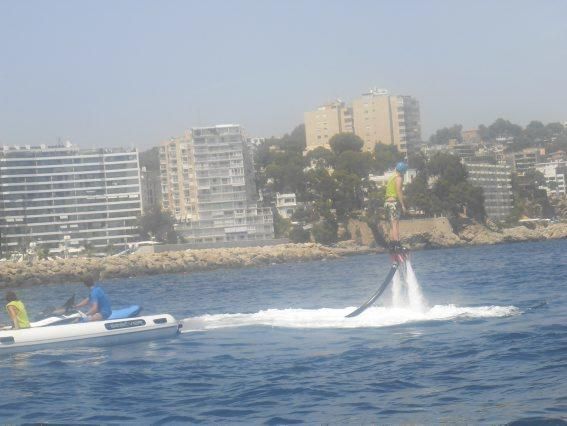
point(551, 136)
point(334, 186)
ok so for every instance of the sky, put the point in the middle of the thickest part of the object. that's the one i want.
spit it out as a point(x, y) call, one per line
point(137, 72)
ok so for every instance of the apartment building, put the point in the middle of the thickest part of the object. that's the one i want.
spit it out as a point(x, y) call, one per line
point(286, 204)
point(325, 122)
point(496, 183)
point(150, 188)
point(387, 119)
point(525, 159)
point(555, 177)
point(465, 151)
point(376, 117)
point(208, 184)
point(178, 185)
point(55, 196)
point(253, 145)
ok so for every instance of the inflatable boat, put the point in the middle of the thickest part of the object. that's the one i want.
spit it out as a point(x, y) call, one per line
point(96, 333)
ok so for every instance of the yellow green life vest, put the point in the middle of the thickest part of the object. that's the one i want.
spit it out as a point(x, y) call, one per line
point(22, 315)
point(391, 191)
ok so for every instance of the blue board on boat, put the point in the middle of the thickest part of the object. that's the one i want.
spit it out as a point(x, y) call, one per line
point(128, 312)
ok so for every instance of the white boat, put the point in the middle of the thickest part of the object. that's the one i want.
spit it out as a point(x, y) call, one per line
point(96, 333)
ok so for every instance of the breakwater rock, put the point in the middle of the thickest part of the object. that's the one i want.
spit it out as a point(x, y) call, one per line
point(434, 233)
point(479, 234)
point(16, 274)
point(438, 233)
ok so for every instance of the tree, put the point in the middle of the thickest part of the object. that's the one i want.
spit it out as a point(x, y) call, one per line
point(352, 162)
point(557, 137)
point(304, 214)
point(483, 133)
point(555, 129)
point(325, 232)
point(529, 197)
point(157, 224)
point(279, 164)
point(150, 159)
point(444, 135)
point(417, 161)
point(385, 157)
point(536, 132)
point(446, 166)
point(299, 235)
point(283, 172)
point(450, 193)
point(43, 252)
point(349, 196)
point(322, 157)
point(295, 140)
point(281, 225)
point(419, 195)
point(374, 213)
point(320, 184)
point(504, 129)
point(345, 142)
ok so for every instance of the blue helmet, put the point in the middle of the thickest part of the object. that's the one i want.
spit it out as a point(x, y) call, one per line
point(401, 167)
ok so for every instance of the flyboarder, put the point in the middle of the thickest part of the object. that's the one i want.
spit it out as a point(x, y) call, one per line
point(395, 204)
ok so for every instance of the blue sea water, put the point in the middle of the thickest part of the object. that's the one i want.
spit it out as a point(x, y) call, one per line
point(270, 346)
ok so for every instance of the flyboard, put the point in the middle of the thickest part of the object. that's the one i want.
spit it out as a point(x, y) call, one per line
point(399, 258)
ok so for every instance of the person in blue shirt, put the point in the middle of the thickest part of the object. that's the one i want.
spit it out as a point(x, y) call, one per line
point(99, 304)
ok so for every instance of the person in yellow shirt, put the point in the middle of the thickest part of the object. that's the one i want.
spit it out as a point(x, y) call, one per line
point(395, 204)
point(17, 311)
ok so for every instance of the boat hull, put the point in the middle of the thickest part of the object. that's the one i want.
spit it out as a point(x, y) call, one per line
point(97, 333)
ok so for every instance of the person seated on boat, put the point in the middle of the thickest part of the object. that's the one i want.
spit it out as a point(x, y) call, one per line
point(99, 303)
point(17, 311)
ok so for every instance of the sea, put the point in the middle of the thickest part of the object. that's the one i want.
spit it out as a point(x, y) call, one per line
point(472, 335)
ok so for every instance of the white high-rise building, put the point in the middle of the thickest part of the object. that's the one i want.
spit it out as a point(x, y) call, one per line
point(555, 174)
point(64, 196)
point(496, 183)
point(208, 185)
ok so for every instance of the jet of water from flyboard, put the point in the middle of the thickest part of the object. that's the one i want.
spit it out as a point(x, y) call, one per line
point(406, 291)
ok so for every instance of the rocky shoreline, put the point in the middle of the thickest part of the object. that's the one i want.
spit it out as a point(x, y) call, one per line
point(438, 235)
point(474, 234)
point(18, 274)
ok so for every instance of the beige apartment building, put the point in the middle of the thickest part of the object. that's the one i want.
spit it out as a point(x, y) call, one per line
point(325, 122)
point(177, 183)
point(376, 117)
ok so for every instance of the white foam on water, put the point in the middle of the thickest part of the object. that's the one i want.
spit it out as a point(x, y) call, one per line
point(335, 318)
point(406, 305)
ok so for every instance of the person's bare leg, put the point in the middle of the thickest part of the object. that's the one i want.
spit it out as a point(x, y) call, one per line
point(395, 231)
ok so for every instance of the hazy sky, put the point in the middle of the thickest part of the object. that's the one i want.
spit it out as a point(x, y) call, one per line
point(133, 72)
